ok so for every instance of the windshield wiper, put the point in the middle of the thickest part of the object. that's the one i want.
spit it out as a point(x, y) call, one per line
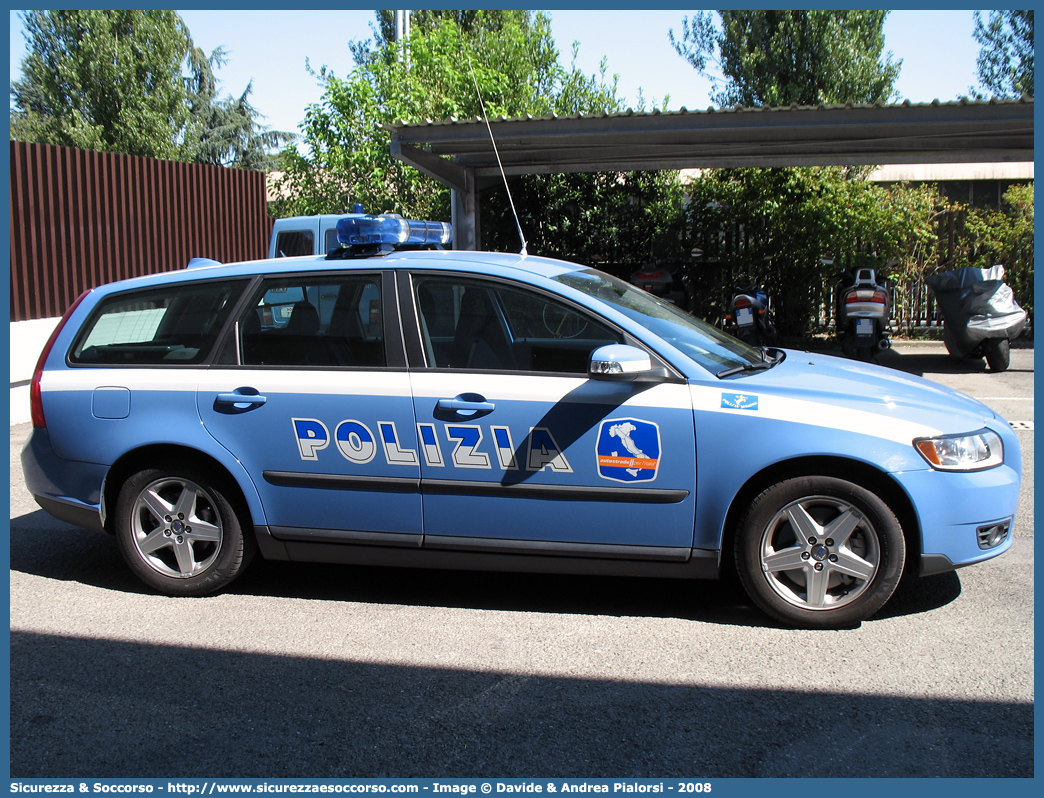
point(761, 365)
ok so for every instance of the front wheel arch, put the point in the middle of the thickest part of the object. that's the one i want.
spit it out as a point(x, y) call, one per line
point(854, 471)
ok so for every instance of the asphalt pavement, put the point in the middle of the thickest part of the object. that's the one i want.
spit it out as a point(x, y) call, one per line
point(322, 671)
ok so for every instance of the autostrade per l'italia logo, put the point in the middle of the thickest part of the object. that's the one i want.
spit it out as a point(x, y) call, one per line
point(628, 450)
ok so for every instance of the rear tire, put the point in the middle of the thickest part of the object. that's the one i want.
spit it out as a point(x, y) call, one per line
point(998, 354)
point(179, 533)
point(819, 552)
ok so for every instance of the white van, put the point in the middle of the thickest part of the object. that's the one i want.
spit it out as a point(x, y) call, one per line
point(304, 235)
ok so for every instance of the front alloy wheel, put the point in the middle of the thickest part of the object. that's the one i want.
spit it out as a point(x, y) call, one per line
point(820, 552)
point(179, 534)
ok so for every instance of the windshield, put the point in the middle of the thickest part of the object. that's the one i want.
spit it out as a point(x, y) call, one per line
point(708, 346)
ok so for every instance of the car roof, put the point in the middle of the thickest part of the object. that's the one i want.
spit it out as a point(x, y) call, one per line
point(489, 263)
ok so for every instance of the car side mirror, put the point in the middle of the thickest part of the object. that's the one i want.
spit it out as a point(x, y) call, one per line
point(624, 363)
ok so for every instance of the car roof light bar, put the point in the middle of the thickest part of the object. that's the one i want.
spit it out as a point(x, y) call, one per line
point(364, 235)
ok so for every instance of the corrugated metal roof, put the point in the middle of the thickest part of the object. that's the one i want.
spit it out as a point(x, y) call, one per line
point(630, 112)
point(965, 131)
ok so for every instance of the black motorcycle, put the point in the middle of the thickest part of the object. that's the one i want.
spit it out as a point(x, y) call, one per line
point(749, 316)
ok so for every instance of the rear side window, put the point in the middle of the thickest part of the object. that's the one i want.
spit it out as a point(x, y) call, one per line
point(173, 325)
point(315, 321)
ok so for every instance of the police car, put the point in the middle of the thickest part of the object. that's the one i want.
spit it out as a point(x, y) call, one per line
point(396, 403)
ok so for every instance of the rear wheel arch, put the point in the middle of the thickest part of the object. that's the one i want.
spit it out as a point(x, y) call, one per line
point(161, 455)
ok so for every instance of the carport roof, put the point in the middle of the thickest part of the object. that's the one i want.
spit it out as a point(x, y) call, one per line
point(953, 132)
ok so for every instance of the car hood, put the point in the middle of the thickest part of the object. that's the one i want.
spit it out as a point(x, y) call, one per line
point(835, 381)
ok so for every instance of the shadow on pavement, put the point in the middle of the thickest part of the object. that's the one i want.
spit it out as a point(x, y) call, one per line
point(103, 708)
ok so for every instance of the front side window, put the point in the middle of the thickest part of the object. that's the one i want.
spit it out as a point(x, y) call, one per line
point(479, 325)
point(314, 321)
point(710, 347)
point(176, 324)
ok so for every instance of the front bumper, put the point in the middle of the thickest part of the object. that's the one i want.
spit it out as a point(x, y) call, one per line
point(958, 513)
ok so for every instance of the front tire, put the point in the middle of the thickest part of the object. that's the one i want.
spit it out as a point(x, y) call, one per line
point(819, 552)
point(179, 533)
point(998, 354)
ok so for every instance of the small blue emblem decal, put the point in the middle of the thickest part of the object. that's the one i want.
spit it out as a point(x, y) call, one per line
point(739, 401)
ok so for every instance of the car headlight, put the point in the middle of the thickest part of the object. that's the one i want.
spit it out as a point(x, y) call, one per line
point(973, 451)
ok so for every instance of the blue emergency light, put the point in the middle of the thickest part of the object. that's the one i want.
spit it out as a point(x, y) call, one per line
point(389, 231)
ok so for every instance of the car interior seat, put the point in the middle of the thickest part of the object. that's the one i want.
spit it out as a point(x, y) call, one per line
point(479, 340)
point(304, 319)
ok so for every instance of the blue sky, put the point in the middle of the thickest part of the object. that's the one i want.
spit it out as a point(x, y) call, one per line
point(270, 47)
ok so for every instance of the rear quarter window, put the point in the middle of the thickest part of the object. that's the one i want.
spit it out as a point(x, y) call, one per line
point(176, 324)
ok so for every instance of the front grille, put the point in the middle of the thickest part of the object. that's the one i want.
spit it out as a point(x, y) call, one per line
point(992, 535)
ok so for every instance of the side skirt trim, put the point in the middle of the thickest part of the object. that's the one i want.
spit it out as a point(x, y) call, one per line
point(304, 534)
point(484, 554)
point(550, 548)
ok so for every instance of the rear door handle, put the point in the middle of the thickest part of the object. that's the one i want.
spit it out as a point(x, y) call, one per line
point(239, 400)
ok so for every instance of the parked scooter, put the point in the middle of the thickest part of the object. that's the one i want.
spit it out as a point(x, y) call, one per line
point(750, 315)
point(862, 319)
point(980, 313)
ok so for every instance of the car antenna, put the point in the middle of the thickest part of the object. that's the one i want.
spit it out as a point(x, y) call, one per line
point(496, 152)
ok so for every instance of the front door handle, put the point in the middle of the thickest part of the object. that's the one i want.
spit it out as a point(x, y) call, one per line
point(239, 401)
point(464, 406)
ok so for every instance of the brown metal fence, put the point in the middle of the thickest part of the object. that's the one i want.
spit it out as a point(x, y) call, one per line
point(80, 219)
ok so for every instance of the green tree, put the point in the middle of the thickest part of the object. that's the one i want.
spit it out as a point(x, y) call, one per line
point(780, 225)
point(225, 131)
point(615, 220)
point(778, 58)
point(1005, 63)
point(471, 22)
point(103, 80)
point(344, 154)
point(777, 224)
point(114, 81)
point(1003, 235)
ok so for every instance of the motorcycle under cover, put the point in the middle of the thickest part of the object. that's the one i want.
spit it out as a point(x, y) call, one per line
point(977, 304)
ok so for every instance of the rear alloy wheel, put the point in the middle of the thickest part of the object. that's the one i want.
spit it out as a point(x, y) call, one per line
point(178, 532)
point(819, 552)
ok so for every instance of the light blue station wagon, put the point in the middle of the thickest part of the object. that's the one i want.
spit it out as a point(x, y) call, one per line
point(398, 404)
